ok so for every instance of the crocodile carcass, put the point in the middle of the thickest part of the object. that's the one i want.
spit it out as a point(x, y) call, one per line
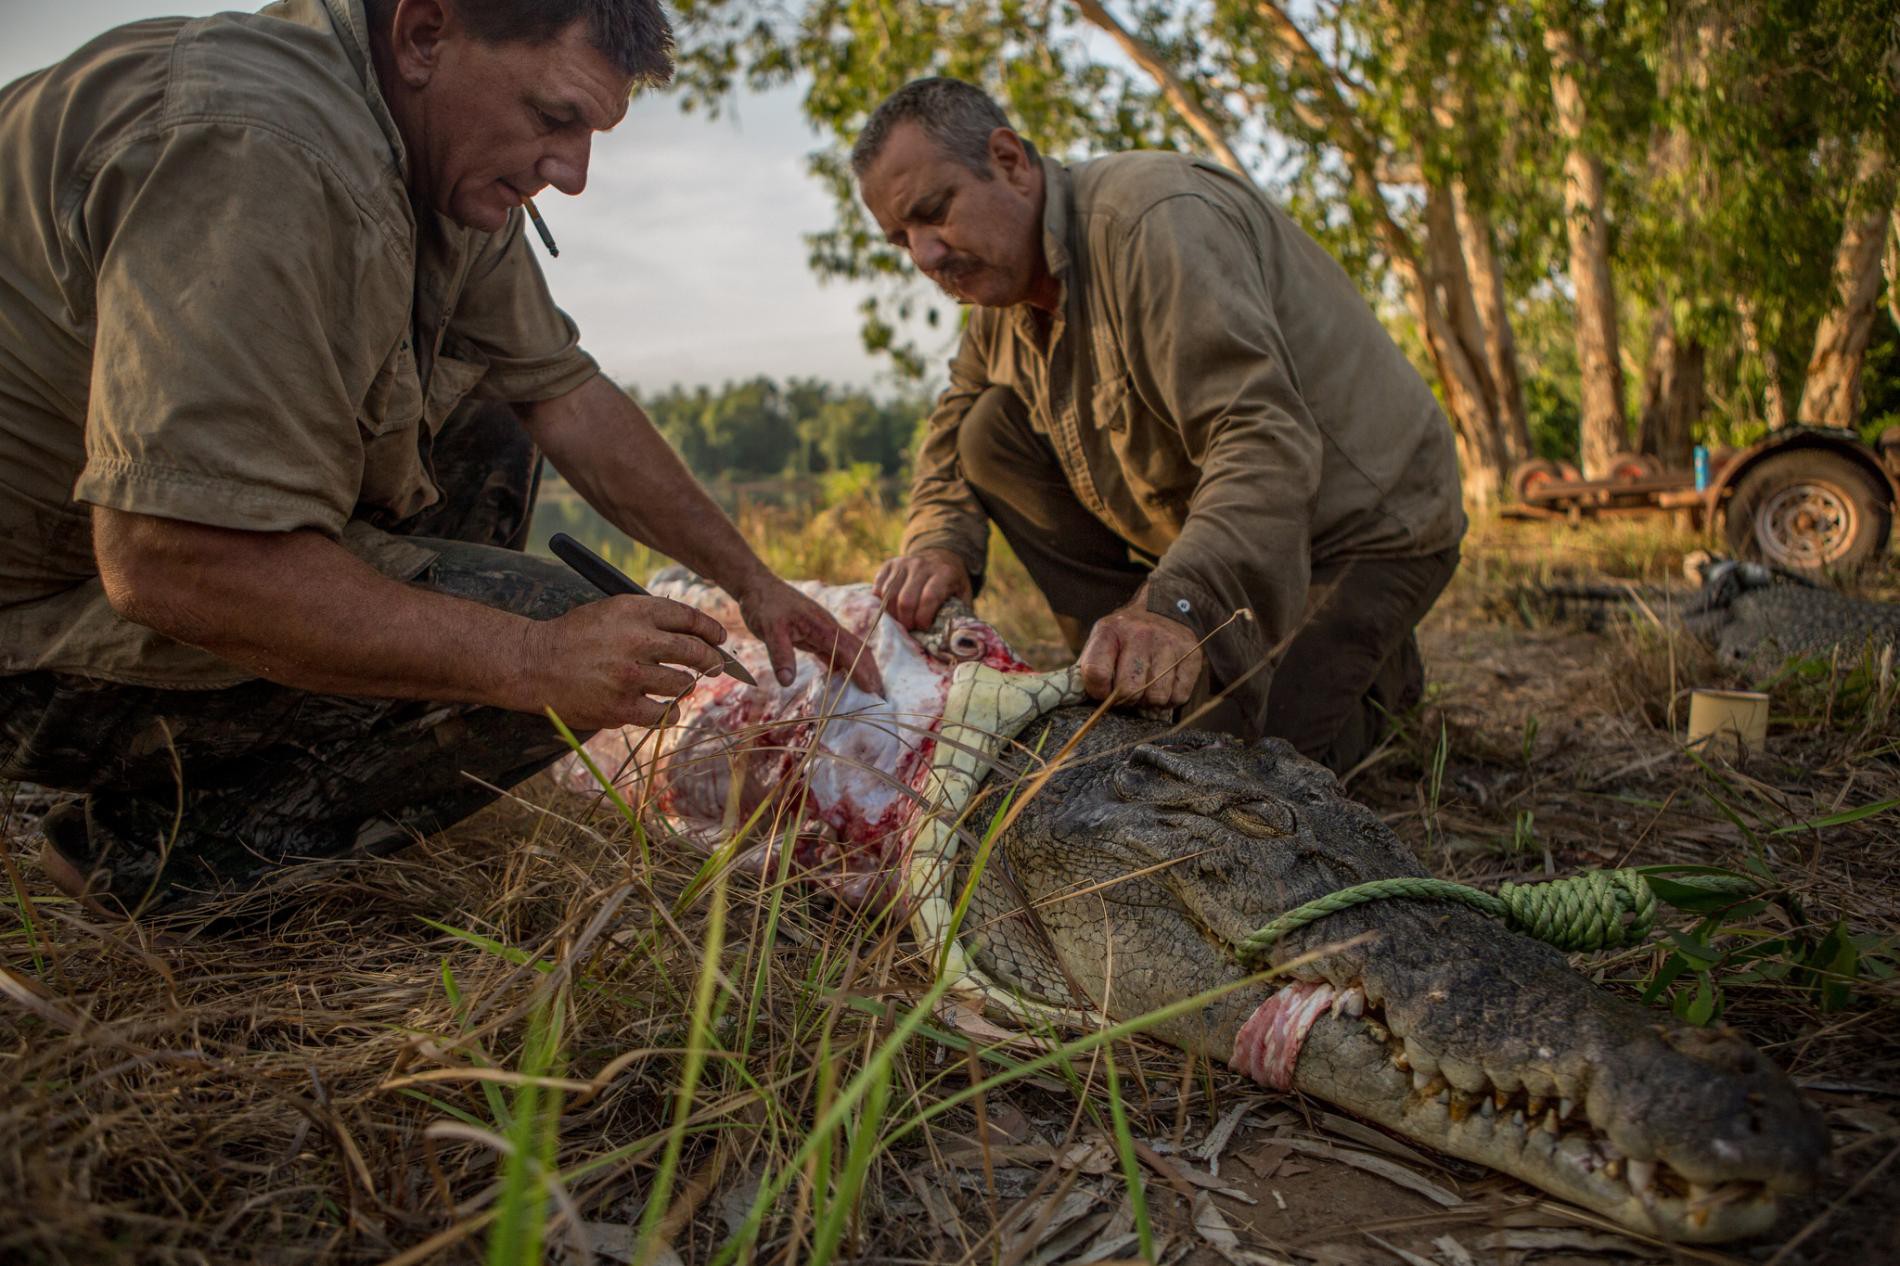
point(1133, 865)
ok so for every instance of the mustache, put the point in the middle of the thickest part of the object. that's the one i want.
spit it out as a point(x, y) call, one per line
point(956, 266)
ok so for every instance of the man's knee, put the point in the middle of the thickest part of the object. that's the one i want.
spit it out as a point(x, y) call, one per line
point(525, 584)
point(990, 439)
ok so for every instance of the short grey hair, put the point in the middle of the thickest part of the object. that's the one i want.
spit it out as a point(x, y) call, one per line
point(958, 117)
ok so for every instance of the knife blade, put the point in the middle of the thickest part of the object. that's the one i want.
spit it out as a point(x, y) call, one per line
point(610, 580)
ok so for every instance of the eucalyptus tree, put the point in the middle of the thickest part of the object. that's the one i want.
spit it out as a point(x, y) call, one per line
point(1777, 207)
point(1246, 83)
point(1685, 163)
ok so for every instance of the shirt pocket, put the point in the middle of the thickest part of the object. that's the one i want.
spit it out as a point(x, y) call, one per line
point(394, 399)
point(453, 377)
point(394, 483)
point(1112, 402)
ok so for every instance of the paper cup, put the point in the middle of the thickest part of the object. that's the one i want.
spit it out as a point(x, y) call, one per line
point(1727, 722)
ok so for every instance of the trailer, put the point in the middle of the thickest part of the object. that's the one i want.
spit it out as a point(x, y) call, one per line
point(1807, 498)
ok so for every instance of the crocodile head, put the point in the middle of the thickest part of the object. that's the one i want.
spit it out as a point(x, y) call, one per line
point(1127, 882)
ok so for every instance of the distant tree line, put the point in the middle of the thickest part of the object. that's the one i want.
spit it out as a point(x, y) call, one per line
point(1597, 225)
point(761, 428)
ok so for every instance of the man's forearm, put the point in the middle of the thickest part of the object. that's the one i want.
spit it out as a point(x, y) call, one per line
point(606, 446)
point(300, 610)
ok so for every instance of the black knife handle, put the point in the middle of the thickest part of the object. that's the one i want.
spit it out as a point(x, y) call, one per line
point(591, 567)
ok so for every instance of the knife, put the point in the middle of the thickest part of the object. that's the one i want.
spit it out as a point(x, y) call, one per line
point(610, 580)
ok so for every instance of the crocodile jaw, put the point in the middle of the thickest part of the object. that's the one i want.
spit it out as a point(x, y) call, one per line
point(984, 710)
point(1320, 1041)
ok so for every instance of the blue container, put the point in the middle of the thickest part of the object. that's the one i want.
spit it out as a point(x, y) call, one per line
point(1701, 469)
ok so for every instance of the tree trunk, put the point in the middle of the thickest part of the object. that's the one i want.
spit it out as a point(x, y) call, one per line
point(1605, 429)
point(1892, 268)
point(1467, 390)
point(1673, 391)
point(1830, 395)
point(1451, 281)
point(1774, 399)
point(1500, 343)
point(1473, 423)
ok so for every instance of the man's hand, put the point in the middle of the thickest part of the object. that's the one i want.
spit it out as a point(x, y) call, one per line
point(916, 586)
point(784, 618)
point(1137, 657)
point(612, 662)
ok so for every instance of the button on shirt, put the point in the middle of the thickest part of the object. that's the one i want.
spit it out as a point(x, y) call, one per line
point(217, 304)
point(1217, 392)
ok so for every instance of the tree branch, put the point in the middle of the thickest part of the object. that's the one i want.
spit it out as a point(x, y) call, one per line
point(1192, 112)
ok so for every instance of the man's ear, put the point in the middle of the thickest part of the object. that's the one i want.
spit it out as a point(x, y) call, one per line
point(416, 34)
point(1010, 158)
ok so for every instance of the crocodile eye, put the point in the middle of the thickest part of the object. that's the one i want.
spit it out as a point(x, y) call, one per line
point(965, 644)
point(1262, 819)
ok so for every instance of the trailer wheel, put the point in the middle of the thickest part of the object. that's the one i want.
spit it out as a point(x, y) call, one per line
point(1806, 510)
point(1629, 467)
point(1532, 475)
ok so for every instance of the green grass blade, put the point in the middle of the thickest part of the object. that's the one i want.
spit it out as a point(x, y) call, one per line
point(699, 1040)
point(1131, 1164)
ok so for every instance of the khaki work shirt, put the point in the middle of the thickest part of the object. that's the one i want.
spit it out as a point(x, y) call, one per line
point(218, 304)
point(1217, 392)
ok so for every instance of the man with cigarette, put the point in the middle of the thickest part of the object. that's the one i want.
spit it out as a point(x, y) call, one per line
point(277, 366)
point(1232, 487)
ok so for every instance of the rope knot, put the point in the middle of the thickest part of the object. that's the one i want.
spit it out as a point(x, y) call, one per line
point(1599, 909)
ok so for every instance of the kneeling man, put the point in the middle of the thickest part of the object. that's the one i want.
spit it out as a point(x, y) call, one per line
point(1232, 487)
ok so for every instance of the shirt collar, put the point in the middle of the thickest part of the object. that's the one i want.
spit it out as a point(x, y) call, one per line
point(352, 30)
point(1058, 206)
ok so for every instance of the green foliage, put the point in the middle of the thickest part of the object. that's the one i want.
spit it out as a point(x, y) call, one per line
point(760, 428)
point(533, 1122)
point(1728, 135)
point(1733, 945)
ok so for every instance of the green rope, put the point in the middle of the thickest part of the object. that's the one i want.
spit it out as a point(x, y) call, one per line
point(1599, 909)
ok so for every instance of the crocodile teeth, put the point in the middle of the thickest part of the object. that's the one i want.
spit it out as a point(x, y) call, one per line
point(1486, 1107)
point(1550, 1121)
point(1614, 1167)
point(1535, 1108)
point(1642, 1174)
point(1400, 1062)
point(1565, 1107)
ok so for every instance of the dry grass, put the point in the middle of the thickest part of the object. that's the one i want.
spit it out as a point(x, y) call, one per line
point(341, 1069)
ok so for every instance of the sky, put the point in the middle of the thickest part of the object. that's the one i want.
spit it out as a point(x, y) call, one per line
point(683, 262)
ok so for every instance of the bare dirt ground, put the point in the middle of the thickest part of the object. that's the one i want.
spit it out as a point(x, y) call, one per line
point(334, 1070)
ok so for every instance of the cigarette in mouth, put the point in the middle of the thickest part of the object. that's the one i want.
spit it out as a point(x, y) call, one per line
point(541, 227)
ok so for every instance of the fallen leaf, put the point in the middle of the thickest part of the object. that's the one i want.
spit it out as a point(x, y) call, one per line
point(1405, 1255)
point(1217, 1138)
point(1389, 1170)
point(1454, 1253)
point(1265, 1161)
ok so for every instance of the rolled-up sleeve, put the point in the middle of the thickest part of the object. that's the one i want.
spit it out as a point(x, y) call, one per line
point(1220, 372)
point(532, 347)
point(944, 511)
point(221, 392)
